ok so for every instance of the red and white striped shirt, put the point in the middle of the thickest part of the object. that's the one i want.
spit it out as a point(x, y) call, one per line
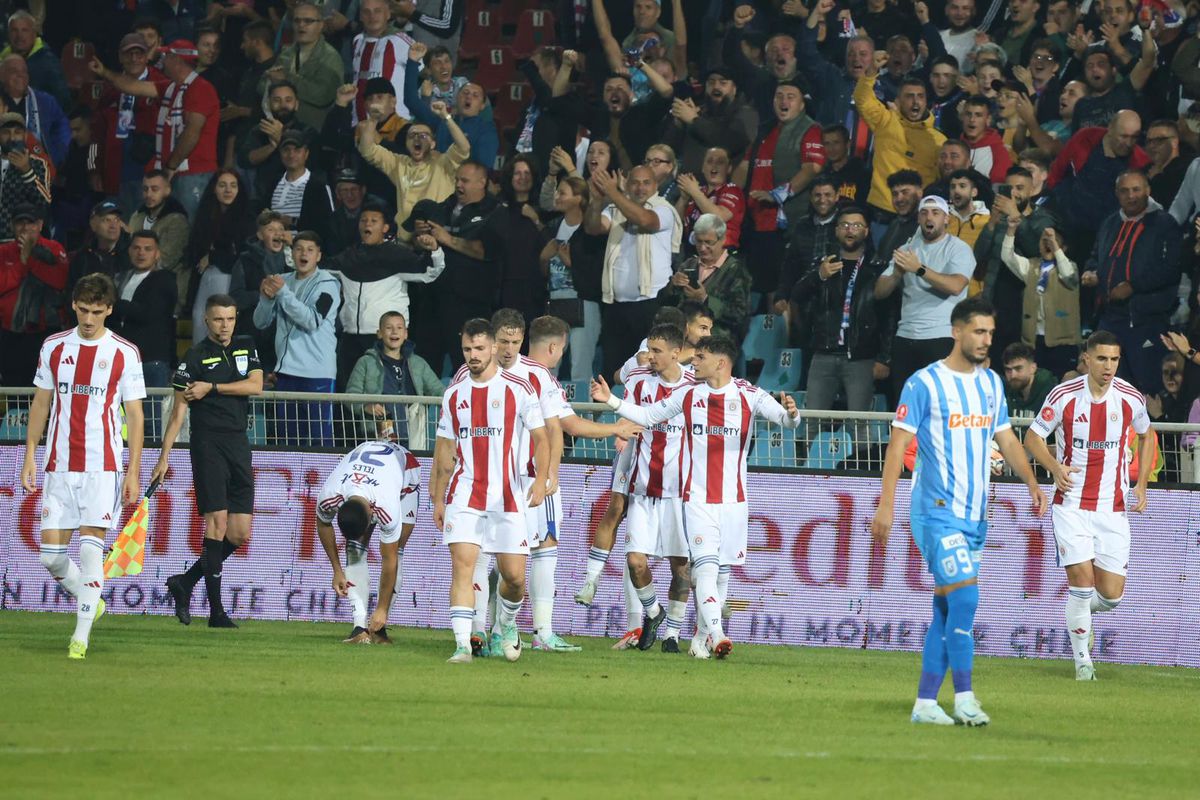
point(717, 431)
point(658, 466)
point(90, 380)
point(487, 420)
point(380, 57)
point(1094, 436)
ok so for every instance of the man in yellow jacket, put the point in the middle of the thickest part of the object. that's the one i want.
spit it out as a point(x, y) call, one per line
point(904, 137)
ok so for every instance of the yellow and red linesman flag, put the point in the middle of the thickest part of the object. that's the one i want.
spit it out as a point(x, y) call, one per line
point(129, 551)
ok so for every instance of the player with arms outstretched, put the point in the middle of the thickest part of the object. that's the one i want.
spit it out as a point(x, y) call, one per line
point(718, 415)
point(953, 407)
point(84, 377)
point(377, 484)
point(1093, 416)
point(476, 483)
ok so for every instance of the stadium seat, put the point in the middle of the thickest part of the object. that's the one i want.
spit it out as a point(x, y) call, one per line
point(535, 29)
point(577, 391)
point(767, 333)
point(509, 11)
point(774, 446)
point(75, 57)
point(497, 66)
point(828, 450)
point(481, 28)
point(511, 104)
point(89, 94)
point(781, 373)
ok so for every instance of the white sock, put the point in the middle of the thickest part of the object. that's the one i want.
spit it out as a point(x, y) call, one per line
point(91, 576)
point(1100, 603)
point(460, 622)
point(676, 612)
point(962, 697)
point(544, 561)
point(508, 612)
point(597, 558)
point(923, 702)
point(723, 575)
point(358, 575)
point(60, 566)
point(648, 599)
point(399, 574)
point(1079, 621)
point(633, 605)
point(480, 583)
point(705, 574)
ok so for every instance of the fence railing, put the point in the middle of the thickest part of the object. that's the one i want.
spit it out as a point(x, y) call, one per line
point(842, 441)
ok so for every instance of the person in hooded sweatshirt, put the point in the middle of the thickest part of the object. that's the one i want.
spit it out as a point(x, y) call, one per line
point(968, 214)
point(375, 275)
point(989, 155)
point(264, 255)
point(1134, 270)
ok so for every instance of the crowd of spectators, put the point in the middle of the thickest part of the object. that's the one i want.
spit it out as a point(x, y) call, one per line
point(361, 187)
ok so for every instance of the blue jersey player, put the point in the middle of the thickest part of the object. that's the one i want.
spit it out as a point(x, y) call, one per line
point(954, 407)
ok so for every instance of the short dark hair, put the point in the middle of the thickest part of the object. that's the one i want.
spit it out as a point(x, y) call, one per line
point(976, 306)
point(96, 288)
point(308, 236)
point(613, 75)
point(547, 327)
point(978, 100)
point(385, 316)
point(478, 326)
point(1165, 123)
point(260, 30)
point(823, 180)
point(266, 217)
point(957, 143)
point(837, 128)
point(719, 346)
point(913, 80)
point(904, 177)
point(1018, 351)
point(1101, 339)
point(354, 518)
point(1019, 171)
point(671, 315)
point(144, 234)
point(671, 334)
point(440, 50)
point(141, 23)
point(846, 211)
point(945, 58)
point(959, 174)
point(1048, 44)
point(205, 28)
point(1037, 156)
point(219, 301)
point(692, 309)
point(508, 318)
point(155, 173)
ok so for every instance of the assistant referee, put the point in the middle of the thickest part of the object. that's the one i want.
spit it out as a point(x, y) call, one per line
point(216, 380)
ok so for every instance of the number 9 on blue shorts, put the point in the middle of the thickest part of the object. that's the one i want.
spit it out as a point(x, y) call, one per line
point(952, 556)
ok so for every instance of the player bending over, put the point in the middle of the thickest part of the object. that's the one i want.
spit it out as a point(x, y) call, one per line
point(1092, 415)
point(480, 508)
point(83, 377)
point(375, 484)
point(954, 407)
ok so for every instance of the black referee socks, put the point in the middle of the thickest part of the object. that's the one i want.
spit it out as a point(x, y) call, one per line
point(196, 570)
point(211, 560)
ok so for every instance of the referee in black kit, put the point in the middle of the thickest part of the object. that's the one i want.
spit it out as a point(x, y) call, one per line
point(216, 380)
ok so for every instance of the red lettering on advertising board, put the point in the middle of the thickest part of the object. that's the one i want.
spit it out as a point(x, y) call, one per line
point(773, 543)
point(840, 572)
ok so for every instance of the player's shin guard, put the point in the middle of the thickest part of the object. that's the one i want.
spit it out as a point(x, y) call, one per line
point(399, 574)
point(211, 560)
point(1100, 603)
point(1079, 621)
point(91, 577)
point(633, 605)
point(705, 571)
point(508, 611)
point(460, 622)
point(544, 561)
point(933, 657)
point(479, 582)
point(676, 613)
point(960, 638)
point(358, 576)
point(597, 558)
point(60, 566)
point(723, 581)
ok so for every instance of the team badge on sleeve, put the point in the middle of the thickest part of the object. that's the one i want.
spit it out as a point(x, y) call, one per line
point(1048, 414)
point(901, 412)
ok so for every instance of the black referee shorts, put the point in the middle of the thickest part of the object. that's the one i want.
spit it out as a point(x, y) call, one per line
point(223, 473)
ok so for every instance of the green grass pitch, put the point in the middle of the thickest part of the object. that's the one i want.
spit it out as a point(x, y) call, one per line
point(285, 710)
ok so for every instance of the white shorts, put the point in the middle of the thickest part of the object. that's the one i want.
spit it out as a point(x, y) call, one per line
point(654, 526)
point(623, 469)
point(493, 531)
point(1082, 536)
point(72, 500)
point(542, 522)
point(717, 529)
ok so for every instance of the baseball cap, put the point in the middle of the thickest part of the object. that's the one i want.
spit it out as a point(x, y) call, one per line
point(379, 86)
point(425, 210)
point(184, 49)
point(722, 72)
point(933, 201)
point(12, 118)
point(133, 41)
point(346, 176)
point(293, 137)
point(26, 213)
point(105, 208)
point(1012, 85)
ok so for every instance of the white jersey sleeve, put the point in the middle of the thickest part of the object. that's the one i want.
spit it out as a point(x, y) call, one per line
point(530, 411)
point(766, 406)
point(132, 383)
point(43, 378)
point(661, 411)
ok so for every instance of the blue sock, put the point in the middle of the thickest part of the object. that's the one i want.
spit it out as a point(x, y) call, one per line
point(960, 641)
point(933, 659)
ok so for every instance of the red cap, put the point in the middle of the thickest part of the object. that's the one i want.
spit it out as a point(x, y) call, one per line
point(184, 49)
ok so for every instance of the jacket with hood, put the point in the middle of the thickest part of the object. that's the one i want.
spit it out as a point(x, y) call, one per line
point(990, 156)
point(732, 126)
point(480, 129)
point(172, 229)
point(303, 314)
point(254, 264)
point(420, 379)
point(375, 280)
point(1144, 252)
point(970, 226)
point(899, 144)
point(821, 304)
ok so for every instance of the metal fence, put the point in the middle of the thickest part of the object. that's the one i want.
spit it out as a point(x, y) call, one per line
point(827, 441)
